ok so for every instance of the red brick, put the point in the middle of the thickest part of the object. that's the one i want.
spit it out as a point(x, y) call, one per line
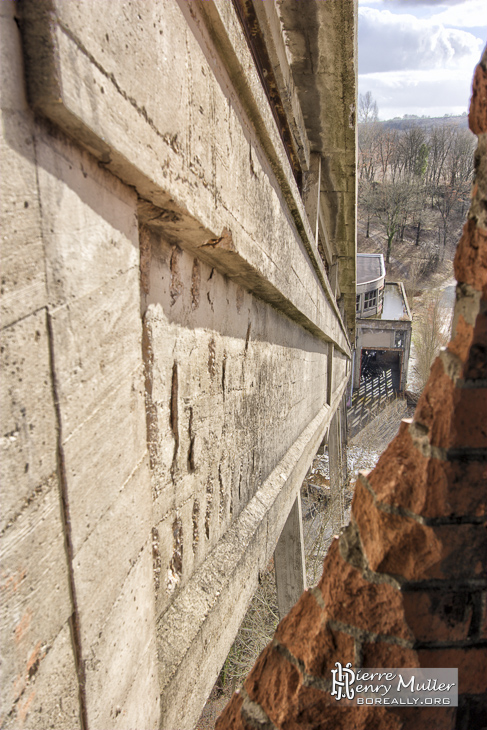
point(380, 654)
point(476, 365)
point(483, 618)
point(314, 709)
point(435, 407)
point(402, 546)
point(462, 339)
point(329, 646)
point(401, 477)
point(274, 683)
point(427, 486)
point(432, 718)
point(230, 718)
point(471, 664)
point(355, 601)
point(469, 423)
point(319, 711)
point(464, 552)
point(477, 116)
point(470, 263)
point(394, 544)
point(438, 616)
point(301, 624)
point(465, 492)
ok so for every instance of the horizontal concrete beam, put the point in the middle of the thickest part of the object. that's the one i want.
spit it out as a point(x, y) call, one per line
point(86, 89)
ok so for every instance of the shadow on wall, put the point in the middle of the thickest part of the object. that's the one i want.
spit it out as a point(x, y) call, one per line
point(403, 586)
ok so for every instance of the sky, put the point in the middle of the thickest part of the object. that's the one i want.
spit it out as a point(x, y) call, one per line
point(418, 56)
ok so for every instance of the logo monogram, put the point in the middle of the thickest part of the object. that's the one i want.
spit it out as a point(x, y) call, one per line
point(341, 683)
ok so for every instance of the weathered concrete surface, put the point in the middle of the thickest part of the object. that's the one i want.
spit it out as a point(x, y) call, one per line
point(221, 419)
point(208, 611)
point(151, 146)
point(91, 240)
point(321, 43)
point(38, 674)
point(172, 347)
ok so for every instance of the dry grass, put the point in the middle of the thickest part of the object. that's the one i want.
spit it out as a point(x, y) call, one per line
point(430, 333)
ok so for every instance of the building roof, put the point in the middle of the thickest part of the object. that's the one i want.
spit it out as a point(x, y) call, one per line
point(370, 266)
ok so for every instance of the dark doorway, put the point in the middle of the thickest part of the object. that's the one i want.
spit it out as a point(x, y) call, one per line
point(377, 364)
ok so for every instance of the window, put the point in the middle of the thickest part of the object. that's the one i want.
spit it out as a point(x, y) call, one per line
point(370, 299)
point(399, 338)
point(357, 304)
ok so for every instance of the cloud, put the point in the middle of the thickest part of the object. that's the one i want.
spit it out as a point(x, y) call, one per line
point(470, 14)
point(430, 92)
point(456, 13)
point(414, 3)
point(395, 42)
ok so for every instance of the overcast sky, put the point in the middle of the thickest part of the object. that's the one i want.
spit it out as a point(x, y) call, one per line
point(418, 56)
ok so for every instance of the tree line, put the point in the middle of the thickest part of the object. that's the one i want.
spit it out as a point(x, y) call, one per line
point(405, 174)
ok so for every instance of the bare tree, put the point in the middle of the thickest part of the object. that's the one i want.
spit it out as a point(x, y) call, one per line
point(368, 111)
point(368, 134)
point(391, 200)
point(430, 333)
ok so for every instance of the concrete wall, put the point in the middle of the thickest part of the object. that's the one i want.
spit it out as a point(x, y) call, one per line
point(172, 349)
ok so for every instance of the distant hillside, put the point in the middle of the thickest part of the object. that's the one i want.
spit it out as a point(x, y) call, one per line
point(426, 122)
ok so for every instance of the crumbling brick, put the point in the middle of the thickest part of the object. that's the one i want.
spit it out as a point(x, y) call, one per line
point(476, 365)
point(477, 117)
point(394, 544)
point(382, 654)
point(469, 423)
point(470, 661)
point(461, 342)
point(439, 615)
point(231, 718)
point(347, 596)
point(274, 683)
point(435, 406)
point(470, 263)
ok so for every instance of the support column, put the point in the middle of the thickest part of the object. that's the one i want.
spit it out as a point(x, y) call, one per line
point(335, 465)
point(343, 438)
point(311, 192)
point(289, 560)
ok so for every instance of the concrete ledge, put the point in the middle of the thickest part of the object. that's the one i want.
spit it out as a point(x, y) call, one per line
point(201, 623)
point(75, 88)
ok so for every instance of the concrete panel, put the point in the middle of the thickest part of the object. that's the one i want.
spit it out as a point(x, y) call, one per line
point(23, 288)
point(123, 640)
point(114, 436)
point(52, 696)
point(135, 713)
point(89, 222)
point(28, 444)
point(86, 375)
point(35, 604)
point(102, 564)
point(241, 392)
point(376, 339)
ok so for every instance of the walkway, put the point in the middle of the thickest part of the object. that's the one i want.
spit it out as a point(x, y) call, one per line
point(371, 396)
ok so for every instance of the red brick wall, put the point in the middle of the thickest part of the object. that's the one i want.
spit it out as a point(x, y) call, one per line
point(404, 585)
